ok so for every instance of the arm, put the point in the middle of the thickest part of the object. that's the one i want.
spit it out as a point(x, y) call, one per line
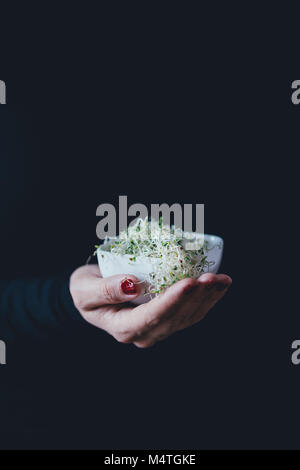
point(38, 308)
point(35, 308)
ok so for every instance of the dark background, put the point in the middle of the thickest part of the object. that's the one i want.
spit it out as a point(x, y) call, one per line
point(162, 105)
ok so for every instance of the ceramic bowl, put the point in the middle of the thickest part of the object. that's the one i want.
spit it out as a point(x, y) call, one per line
point(111, 264)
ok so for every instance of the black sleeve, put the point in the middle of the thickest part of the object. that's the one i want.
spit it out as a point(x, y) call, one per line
point(36, 308)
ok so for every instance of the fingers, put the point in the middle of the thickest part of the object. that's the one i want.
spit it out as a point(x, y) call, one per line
point(102, 302)
point(214, 287)
point(215, 281)
point(164, 306)
point(167, 323)
point(118, 289)
point(209, 289)
point(95, 291)
point(187, 293)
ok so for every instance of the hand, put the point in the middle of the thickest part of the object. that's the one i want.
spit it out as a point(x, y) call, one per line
point(104, 303)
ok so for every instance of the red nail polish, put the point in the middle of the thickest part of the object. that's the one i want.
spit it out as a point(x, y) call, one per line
point(128, 287)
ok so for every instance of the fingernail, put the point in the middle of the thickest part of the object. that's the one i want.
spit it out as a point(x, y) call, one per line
point(128, 287)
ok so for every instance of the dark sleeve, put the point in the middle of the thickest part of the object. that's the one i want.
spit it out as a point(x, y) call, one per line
point(36, 308)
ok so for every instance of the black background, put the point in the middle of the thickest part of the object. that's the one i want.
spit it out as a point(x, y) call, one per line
point(170, 104)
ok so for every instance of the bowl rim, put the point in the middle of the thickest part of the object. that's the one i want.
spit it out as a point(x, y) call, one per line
point(216, 239)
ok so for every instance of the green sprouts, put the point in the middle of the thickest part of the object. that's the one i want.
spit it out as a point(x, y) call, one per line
point(166, 247)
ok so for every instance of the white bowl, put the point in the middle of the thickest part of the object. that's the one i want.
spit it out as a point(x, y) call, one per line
point(111, 264)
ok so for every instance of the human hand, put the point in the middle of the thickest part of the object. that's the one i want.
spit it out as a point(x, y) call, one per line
point(105, 303)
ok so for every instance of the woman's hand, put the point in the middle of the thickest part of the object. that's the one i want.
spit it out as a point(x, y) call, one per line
point(105, 303)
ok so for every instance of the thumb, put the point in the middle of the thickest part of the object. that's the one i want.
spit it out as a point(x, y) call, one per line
point(113, 290)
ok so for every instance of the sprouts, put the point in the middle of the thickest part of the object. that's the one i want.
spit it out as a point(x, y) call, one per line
point(167, 248)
